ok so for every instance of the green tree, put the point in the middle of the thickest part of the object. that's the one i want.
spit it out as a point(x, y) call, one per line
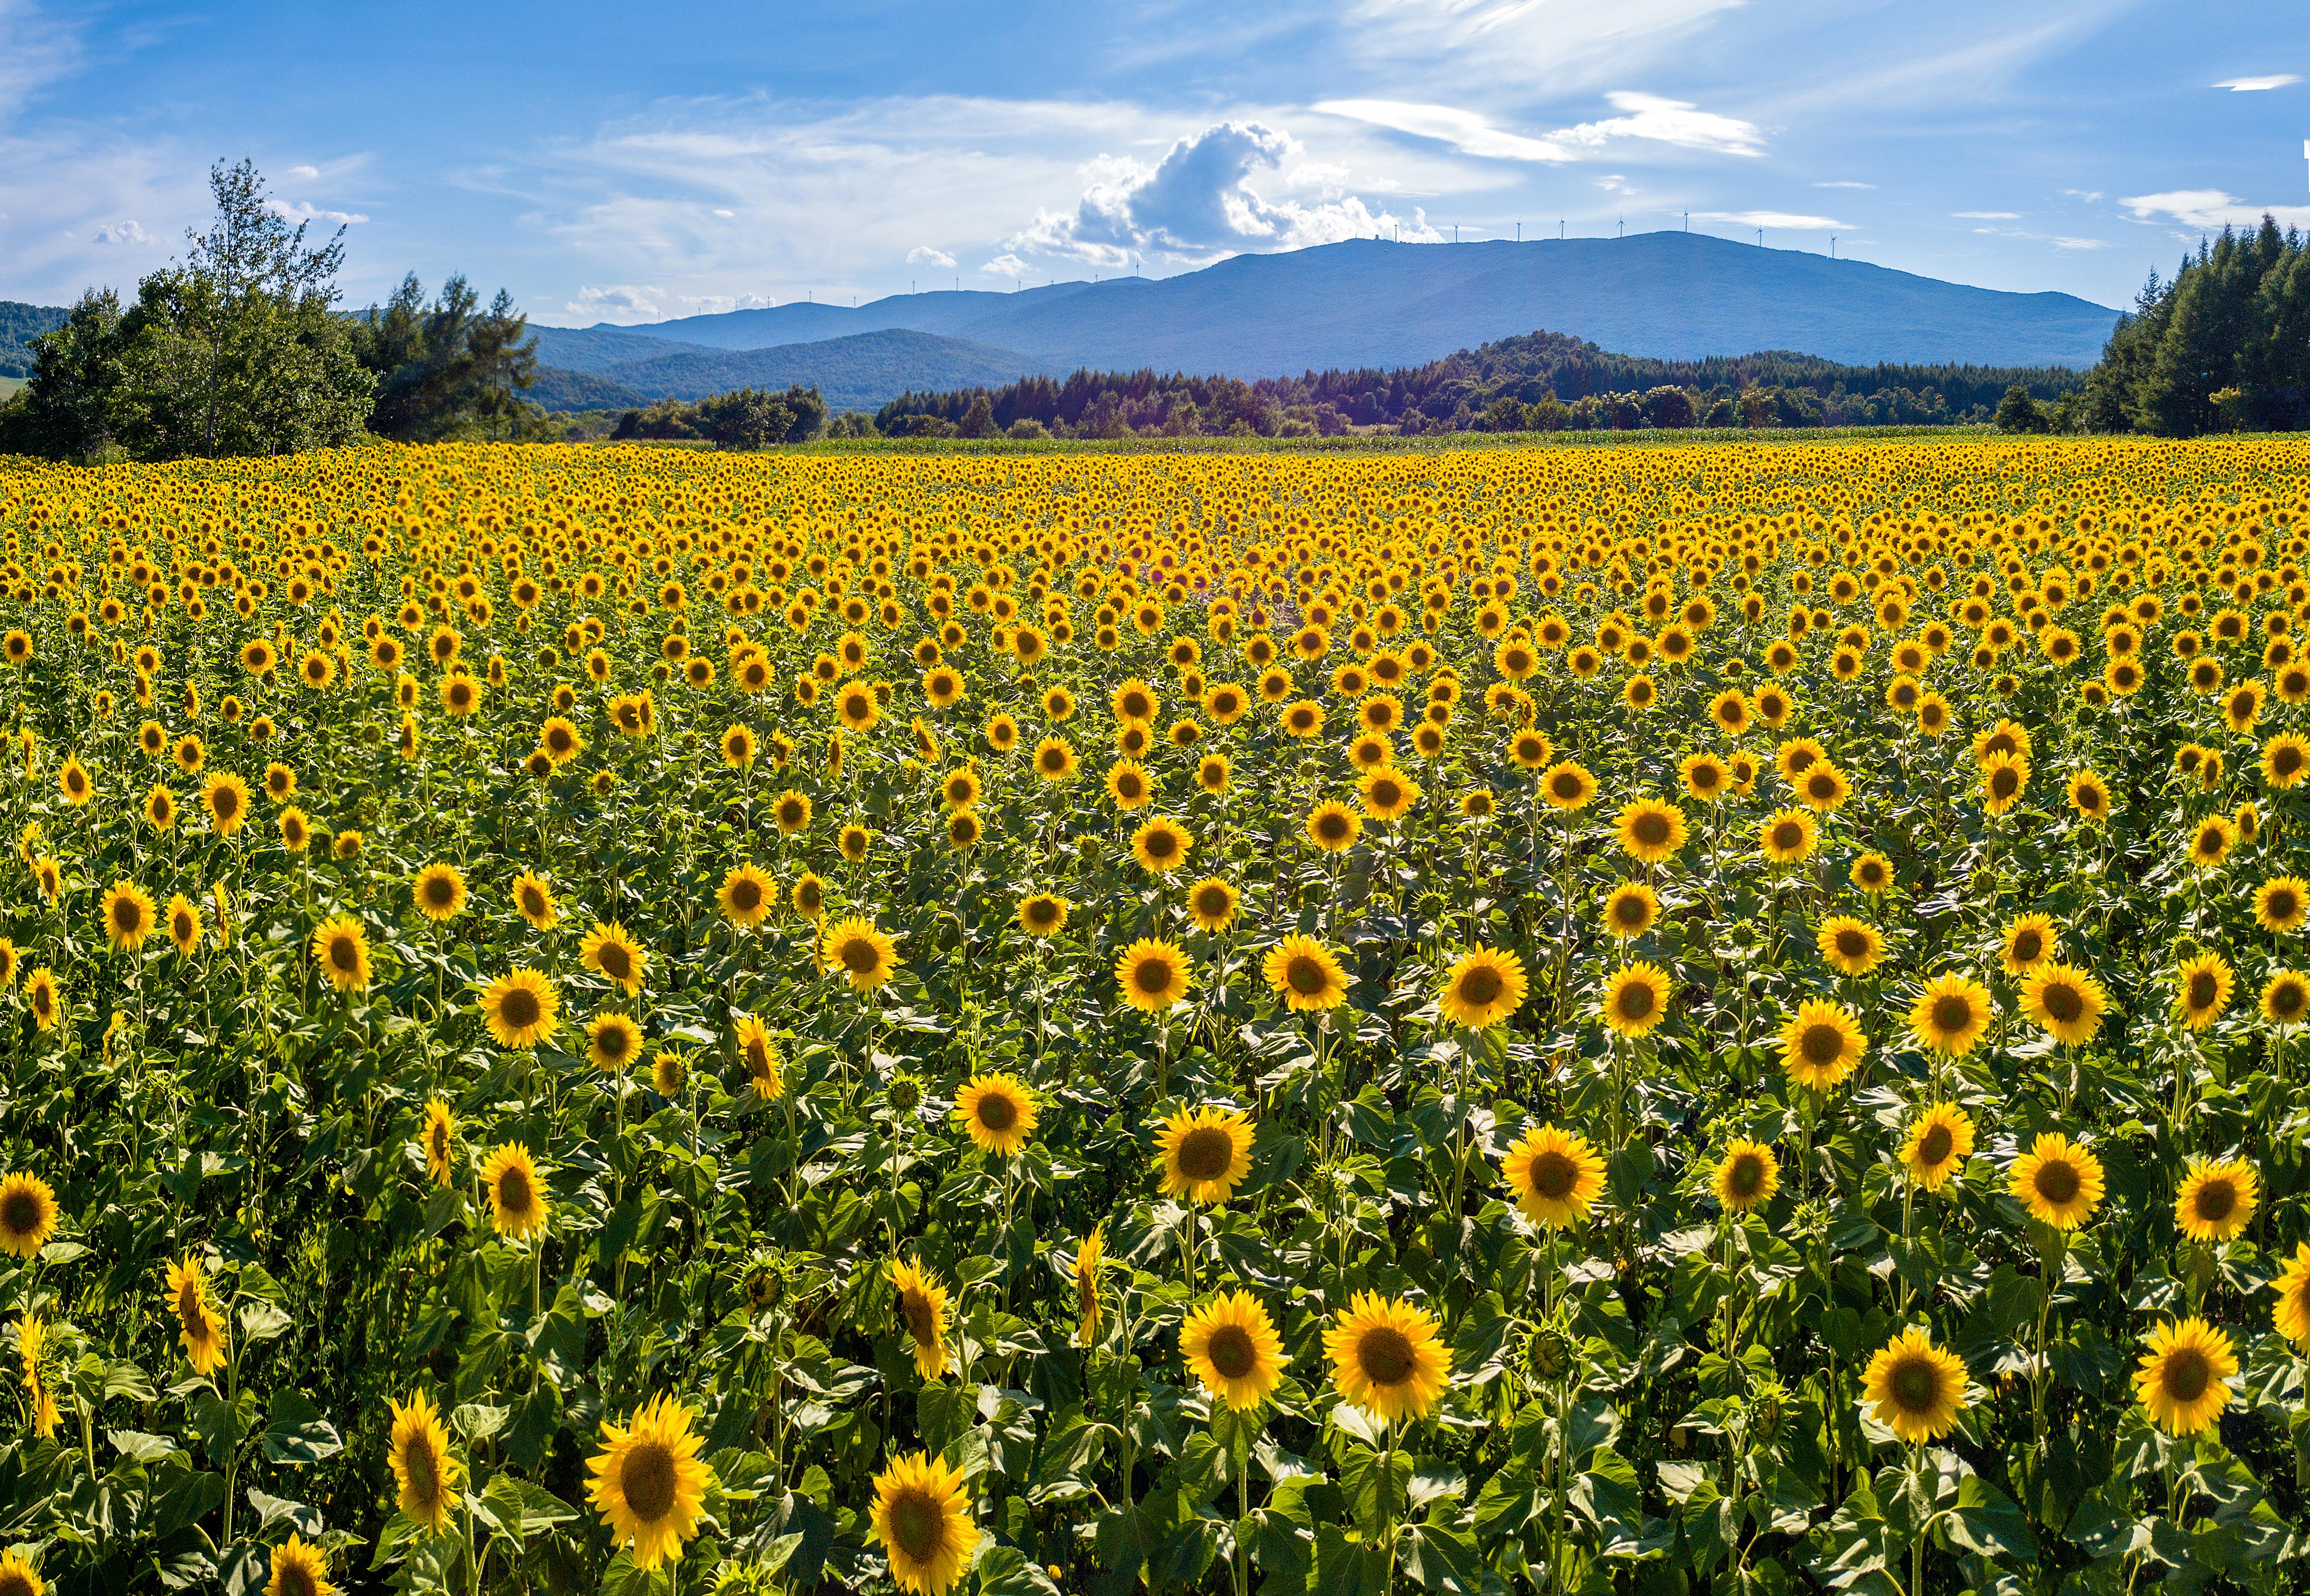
point(67, 410)
point(743, 419)
point(2017, 412)
point(978, 420)
point(451, 370)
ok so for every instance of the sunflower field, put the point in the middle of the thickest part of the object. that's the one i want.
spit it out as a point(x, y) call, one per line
point(1522, 1019)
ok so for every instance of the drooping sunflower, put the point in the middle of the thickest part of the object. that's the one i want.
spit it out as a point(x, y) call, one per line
point(1484, 987)
point(2291, 1313)
point(1203, 1154)
point(746, 895)
point(1230, 1345)
point(2184, 1373)
point(1787, 836)
point(611, 952)
point(1162, 846)
point(517, 1192)
point(1636, 999)
point(1630, 910)
point(1152, 974)
point(1939, 1140)
point(1848, 946)
point(1306, 975)
point(1915, 1388)
point(758, 1050)
point(299, 1569)
point(199, 1329)
point(2201, 990)
point(857, 948)
point(1949, 1015)
point(648, 1482)
point(341, 948)
point(1212, 904)
point(438, 892)
point(425, 1474)
point(28, 1214)
point(1388, 1356)
point(2281, 902)
point(2066, 1003)
point(2217, 1199)
point(1747, 1176)
point(438, 1138)
point(2058, 1180)
point(612, 1042)
point(127, 916)
point(1821, 1045)
point(922, 1314)
point(1333, 827)
point(1089, 1259)
point(521, 1008)
point(921, 1516)
point(1556, 1175)
point(998, 1112)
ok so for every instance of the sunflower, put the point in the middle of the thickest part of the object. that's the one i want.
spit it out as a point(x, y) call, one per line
point(1566, 786)
point(341, 948)
point(809, 896)
point(74, 783)
point(2217, 1199)
point(1630, 910)
point(425, 1475)
point(225, 796)
point(533, 901)
point(1162, 846)
point(1089, 1259)
point(2201, 990)
point(746, 896)
point(1043, 913)
point(1203, 1154)
point(1333, 827)
point(1787, 836)
point(1871, 873)
point(612, 1042)
point(2066, 1003)
point(758, 1051)
point(2183, 1379)
point(1636, 999)
point(1055, 760)
point(2090, 795)
point(1213, 903)
point(2281, 902)
point(438, 892)
point(439, 1138)
point(521, 1008)
point(1939, 1140)
point(28, 1214)
point(299, 1569)
point(46, 997)
point(1230, 1345)
point(1915, 1388)
point(517, 1192)
point(183, 919)
point(1949, 1015)
point(1306, 975)
point(2004, 778)
point(1386, 794)
point(922, 1314)
point(858, 948)
point(998, 1112)
point(611, 952)
point(2291, 1313)
point(1388, 1356)
point(790, 812)
point(1820, 1044)
point(2029, 942)
point(198, 1328)
point(2285, 761)
point(1152, 975)
point(2058, 1180)
point(1650, 830)
point(648, 1482)
point(1848, 946)
point(921, 1516)
point(1747, 1176)
point(1556, 1175)
point(2284, 998)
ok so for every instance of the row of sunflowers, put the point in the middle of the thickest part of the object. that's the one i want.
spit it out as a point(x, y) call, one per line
point(1555, 1019)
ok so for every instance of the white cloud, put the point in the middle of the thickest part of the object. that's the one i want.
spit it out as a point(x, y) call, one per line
point(2058, 240)
point(304, 211)
point(1644, 117)
point(725, 211)
point(1986, 215)
point(1522, 48)
point(922, 255)
point(302, 173)
point(1844, 185)
point(722, 304)
point(2087, 195)
point(1005, 264)
point(2207, 209)
point(121, 232)
point(1778, 220)
point(2276, 80)
point(618, 302)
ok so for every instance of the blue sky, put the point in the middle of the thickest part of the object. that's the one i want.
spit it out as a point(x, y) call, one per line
point(625, 164)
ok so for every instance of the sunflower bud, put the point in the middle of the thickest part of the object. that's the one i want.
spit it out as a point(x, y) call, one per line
point(1547, 1354)
point(1765, 1414)
point(905, 1094)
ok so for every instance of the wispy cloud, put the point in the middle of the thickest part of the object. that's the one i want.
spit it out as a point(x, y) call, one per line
point(2276, 80)
point(1845, 182)
point(1987, 215)
point(1779, 221)
point(1643, 116)
point(1464, 130)
point(2207, 209)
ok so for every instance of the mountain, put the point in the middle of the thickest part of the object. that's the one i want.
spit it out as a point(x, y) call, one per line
point(18, 323)
point(858, 372)
point(1370, 303)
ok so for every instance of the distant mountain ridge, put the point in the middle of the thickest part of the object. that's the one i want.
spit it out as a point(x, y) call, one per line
point(855, 372)
point(1369, 303)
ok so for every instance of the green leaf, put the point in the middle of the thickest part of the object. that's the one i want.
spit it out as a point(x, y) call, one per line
point(297, 1433)
point(1988, 1521)
point(1345, 1567)
point(1005, 1571)
point(1442, 1558)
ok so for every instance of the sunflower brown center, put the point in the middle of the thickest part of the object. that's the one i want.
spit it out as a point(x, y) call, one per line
point(997, 1112)
point(417, 1462)
point(1232, 1352)
point(1306, 975)
point(1821, 1044)
point(859, 956)
point(1629, 910)
point(1935, 1145)
point(1160, 844)
point(745, 894)
point(2059, 1181)
point(2216, 1199)
point(2186, 1373)
point(922, 1324)
point(20, 1213)
point(1333, 827)
point(1634, 1001)
point(1553, 1174)
point(345, 953)
point(1787, 834)
point(2204, 989)
point(440, 891)
point(1917, 1385)
point(1852, 943)
point(1206, 1153)
point(2283, 905)
point(1651, 829)
point(1745, 1178)
point(1952, 1014)
point(1384, 1354)
point(519, 1009)
point(1481, 986)
point(918, 1524)
point(648, 1479)
point(2287, 997)
point(2064, 1004)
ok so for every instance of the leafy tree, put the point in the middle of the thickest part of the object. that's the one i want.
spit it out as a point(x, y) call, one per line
point(978, 420)
point(66, 411)
point(2017, 412)
point(743, 419)
point(452, 369)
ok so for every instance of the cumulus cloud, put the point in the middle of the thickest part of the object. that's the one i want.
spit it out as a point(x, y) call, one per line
point(302, 173)
point(121, 232)
point(722, 304)
point(1198, 204)
point(1779, 221)
point(618, 302)
point(305, 211)
point(1643, 116)
point(1005, 264)
point(922, 255)
point(2276, 80)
